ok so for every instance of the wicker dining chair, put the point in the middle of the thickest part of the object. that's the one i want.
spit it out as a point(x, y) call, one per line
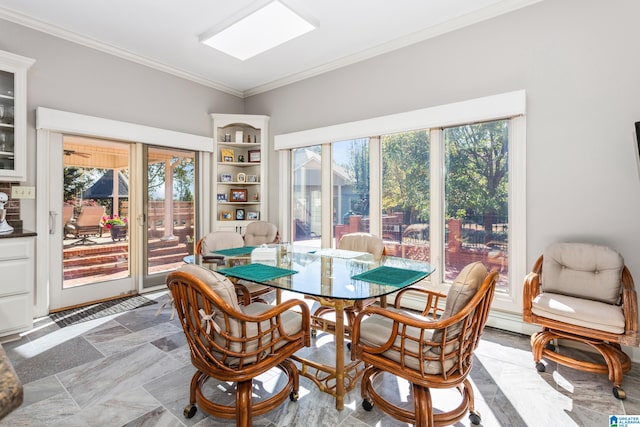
point(236, 343)
point(428, 353)
point(219, 240)
point(260, 233)
point(584, 293)
point(360, 242)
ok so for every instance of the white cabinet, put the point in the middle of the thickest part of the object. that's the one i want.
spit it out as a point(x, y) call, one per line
point(13, 116)
point(16, 286)
point(240, 166)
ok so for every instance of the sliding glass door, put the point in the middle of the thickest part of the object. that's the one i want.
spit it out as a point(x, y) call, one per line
point(169, 211)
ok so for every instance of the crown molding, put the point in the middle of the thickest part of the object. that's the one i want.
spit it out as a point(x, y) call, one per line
point(419, 36)
point(26, 21)
point(445, 27)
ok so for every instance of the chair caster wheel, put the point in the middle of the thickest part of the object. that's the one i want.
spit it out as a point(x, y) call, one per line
point(549, 346)
point(540, 367)
point(619, 393)
point(294, 396)
point(367, 405)
point(349, 346)
point(189, 411)
point(474, 417)
point(314, 333)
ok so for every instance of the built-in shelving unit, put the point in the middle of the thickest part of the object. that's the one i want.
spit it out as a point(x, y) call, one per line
point(240, 165)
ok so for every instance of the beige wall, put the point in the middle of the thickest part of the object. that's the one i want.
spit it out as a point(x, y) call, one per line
point(74, 78)
point(578, 63)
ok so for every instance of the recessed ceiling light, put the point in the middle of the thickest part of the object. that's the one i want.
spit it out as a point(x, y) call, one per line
point(259, 31)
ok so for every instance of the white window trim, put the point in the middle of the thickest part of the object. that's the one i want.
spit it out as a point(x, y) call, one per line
point(510, 105)
point(488, 108)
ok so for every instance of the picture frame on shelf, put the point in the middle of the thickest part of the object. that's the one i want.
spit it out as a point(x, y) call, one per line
point(239, 135)
point(252, 178)
point(226, 216)
point(222, 197)
point(242, 177)
point(227, 155)
point(254, 156)
point(239, 214)
point(225, 177)
point(253, 216)
point(238, 195)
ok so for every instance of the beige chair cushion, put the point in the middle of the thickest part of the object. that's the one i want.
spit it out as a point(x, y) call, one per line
point(259, 233)
point(464, 287)
point(583, 270)
point(579, 311)
point(376, 330)
point(362, 242)
point(219, 240)
point(216, 281)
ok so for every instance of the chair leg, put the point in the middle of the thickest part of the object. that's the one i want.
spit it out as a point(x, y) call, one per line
point(243, 403)
point(616, 362)
point(423, 413)
point(423, 406)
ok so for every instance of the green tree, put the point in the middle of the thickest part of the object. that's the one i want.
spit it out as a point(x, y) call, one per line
point(405, 175)
point(360, 175)
point(78, 180)
point(183, 179)
point(477, 166)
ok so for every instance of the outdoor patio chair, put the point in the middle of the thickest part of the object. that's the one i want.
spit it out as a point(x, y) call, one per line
point(219, 240)
point(584, 293)
point(429, 354)
point(236, 344)
point(88, 223)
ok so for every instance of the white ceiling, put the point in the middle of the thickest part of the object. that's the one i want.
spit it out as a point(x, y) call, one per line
point(163, 34)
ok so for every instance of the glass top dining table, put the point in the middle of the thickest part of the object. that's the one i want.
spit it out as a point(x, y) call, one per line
point(335, 278)
point(328, 273)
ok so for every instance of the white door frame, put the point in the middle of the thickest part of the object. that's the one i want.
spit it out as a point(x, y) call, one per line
point(51, 125)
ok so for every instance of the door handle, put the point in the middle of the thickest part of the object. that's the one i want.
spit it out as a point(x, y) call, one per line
point(52, 222)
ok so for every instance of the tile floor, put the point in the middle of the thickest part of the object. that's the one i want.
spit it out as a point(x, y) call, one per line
point(133, 369)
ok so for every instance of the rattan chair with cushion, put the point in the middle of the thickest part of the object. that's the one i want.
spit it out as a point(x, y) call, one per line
point(260, 233)
point(234, 343)
point(359, 242)
point(428, 353)
point(584, 293)
point(220, 240)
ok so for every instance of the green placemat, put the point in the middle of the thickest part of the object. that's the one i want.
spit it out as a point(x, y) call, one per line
point(256, 272)
point(391, 276)
point(244, 250)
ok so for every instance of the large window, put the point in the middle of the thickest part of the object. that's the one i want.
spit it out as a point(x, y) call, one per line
point(449, 190)
point(476, 198)
point(406, 194)
point(350, 176)
point(306, 200)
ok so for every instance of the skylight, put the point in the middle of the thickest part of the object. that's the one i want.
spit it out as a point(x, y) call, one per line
point(264, 29)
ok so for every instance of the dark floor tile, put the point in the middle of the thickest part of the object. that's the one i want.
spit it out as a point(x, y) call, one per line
point(32, 362)
point(171, 342)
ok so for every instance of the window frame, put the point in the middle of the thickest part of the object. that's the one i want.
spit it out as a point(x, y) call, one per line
point(510, 106)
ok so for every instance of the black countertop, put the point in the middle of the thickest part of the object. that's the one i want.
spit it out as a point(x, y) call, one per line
point(18, 233)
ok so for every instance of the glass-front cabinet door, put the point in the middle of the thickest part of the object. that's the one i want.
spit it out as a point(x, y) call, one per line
point(13, 116)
